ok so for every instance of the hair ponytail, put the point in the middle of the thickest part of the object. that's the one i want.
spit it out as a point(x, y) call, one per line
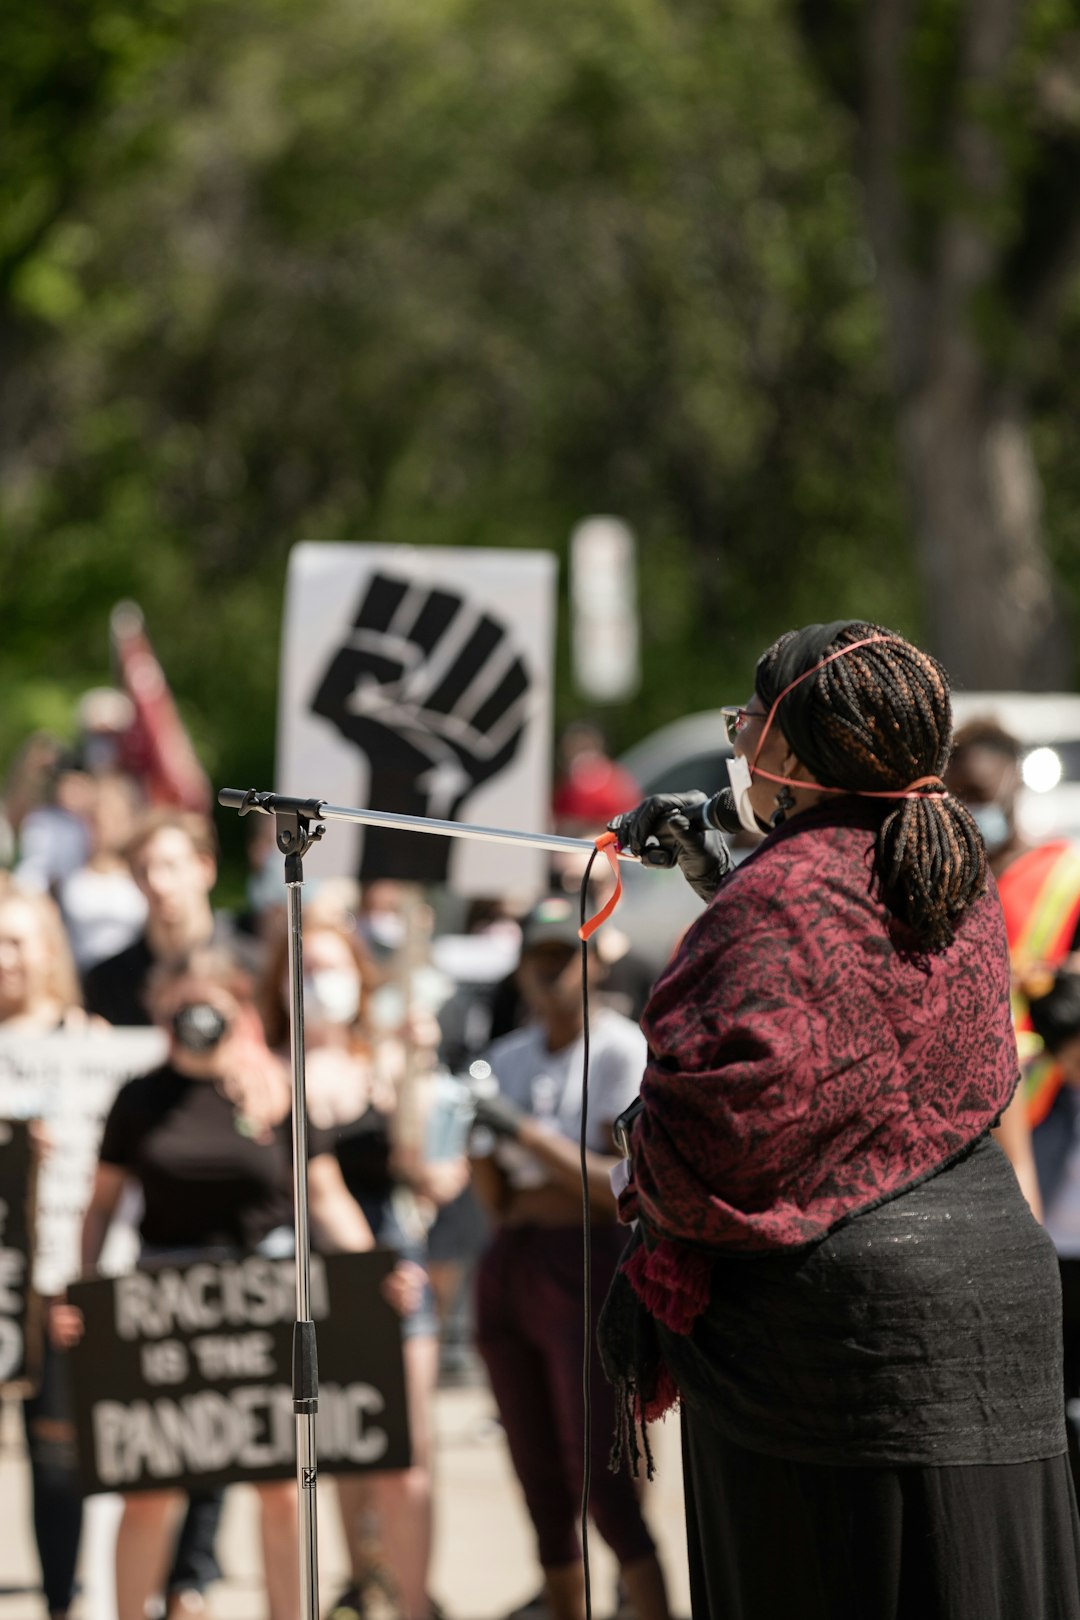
point(930, 864)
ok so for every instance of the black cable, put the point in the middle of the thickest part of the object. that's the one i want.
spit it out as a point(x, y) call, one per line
point(586, 1210)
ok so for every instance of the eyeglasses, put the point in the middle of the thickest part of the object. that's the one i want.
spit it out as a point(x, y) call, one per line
point(736, 720)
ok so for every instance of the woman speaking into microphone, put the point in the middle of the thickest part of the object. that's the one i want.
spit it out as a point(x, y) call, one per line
point(833, 1267)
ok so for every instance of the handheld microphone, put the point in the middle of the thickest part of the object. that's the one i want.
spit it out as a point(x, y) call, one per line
point(718, 813)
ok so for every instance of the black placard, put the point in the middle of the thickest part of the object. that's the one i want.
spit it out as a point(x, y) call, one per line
point(183, 1376)
point(19, 1342)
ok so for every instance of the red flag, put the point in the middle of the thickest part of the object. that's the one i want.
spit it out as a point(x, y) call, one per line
point(159, 750)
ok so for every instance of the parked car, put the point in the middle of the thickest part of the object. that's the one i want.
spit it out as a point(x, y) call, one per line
point(687, 753)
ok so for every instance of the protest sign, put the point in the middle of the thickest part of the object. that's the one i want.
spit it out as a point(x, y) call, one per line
point(19, 1323)
point(68, 1080)
point(418, 680)
point(183, 1375)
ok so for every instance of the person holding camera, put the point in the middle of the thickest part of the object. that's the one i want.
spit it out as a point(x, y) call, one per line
point(530, 1320)
point(171, 855)
point(206, 1139)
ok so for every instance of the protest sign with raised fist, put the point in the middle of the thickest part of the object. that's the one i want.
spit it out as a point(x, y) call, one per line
point(419, 682)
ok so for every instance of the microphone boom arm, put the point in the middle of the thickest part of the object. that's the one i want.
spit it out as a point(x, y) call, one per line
point(272, 804)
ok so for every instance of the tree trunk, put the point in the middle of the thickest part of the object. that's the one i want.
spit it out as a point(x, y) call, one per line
point(992, 612)
point(964, 440)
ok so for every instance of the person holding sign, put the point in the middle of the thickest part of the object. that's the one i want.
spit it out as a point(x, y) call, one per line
point(39, 993)
point(205, 1138)
point(172, 858)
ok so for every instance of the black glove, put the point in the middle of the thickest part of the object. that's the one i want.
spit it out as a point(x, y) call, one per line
point(670, 828)
point(500, 1116)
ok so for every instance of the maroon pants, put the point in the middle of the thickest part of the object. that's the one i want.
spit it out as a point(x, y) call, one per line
point(530, 1324)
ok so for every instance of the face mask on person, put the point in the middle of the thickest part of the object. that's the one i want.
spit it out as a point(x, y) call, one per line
point(992, 823)
point(738, 769)
point(332, 995)
point(384, 929)
point(199, 1027)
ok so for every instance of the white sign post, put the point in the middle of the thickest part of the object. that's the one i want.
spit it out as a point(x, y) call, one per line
point(418, 680)
point(603, 601)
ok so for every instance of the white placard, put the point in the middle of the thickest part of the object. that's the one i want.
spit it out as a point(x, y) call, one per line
point(68, 1079)
point(418, 680)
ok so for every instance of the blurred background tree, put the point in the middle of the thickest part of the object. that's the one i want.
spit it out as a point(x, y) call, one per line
point(447, 273)
point(968, 144)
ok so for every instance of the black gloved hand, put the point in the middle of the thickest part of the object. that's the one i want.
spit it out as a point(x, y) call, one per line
point(669, 827)
point(500, 1116)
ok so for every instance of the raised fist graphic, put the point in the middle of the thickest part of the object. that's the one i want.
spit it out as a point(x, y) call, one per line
point(436, 695)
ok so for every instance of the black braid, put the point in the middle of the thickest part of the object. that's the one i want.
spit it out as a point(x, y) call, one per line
point(882, 717)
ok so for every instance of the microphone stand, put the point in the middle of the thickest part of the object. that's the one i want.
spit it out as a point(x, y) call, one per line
point(295, 836)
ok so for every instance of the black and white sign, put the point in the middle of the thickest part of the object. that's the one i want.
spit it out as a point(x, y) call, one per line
point(19, 1324)
point(68, 1080)
point(419, 681)
point(183, 1376)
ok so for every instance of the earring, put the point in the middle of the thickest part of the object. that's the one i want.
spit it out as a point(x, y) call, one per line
point(785, 801)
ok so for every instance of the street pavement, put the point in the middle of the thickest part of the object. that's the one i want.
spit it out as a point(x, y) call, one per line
point(484, 1560)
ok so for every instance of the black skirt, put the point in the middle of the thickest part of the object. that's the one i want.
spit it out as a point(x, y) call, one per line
point(925, 1331)
point(770, 1539)
point(874, 1430)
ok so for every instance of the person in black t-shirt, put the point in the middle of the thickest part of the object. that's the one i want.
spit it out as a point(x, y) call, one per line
point(205, 1137)
point(172, 855)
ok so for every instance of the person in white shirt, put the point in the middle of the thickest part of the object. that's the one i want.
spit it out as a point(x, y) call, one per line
point(530, 1321)
point(103, 907)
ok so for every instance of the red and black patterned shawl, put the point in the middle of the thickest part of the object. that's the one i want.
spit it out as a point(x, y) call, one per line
point(803, 1065)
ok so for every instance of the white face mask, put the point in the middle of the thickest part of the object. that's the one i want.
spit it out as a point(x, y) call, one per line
point(384, 928)
point(738, 769)
point(332, 995)
point(992, 822)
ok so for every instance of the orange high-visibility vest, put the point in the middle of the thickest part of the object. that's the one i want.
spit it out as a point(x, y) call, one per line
point(1040, 896)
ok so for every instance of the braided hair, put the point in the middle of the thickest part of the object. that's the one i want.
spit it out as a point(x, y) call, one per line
point(875, 720)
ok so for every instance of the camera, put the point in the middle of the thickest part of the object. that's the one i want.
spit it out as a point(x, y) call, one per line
point(450, 1120)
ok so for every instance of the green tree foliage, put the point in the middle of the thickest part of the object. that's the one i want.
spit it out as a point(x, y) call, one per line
point(445, 273)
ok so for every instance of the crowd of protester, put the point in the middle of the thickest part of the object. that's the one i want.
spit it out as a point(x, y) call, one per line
point(107, 918)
